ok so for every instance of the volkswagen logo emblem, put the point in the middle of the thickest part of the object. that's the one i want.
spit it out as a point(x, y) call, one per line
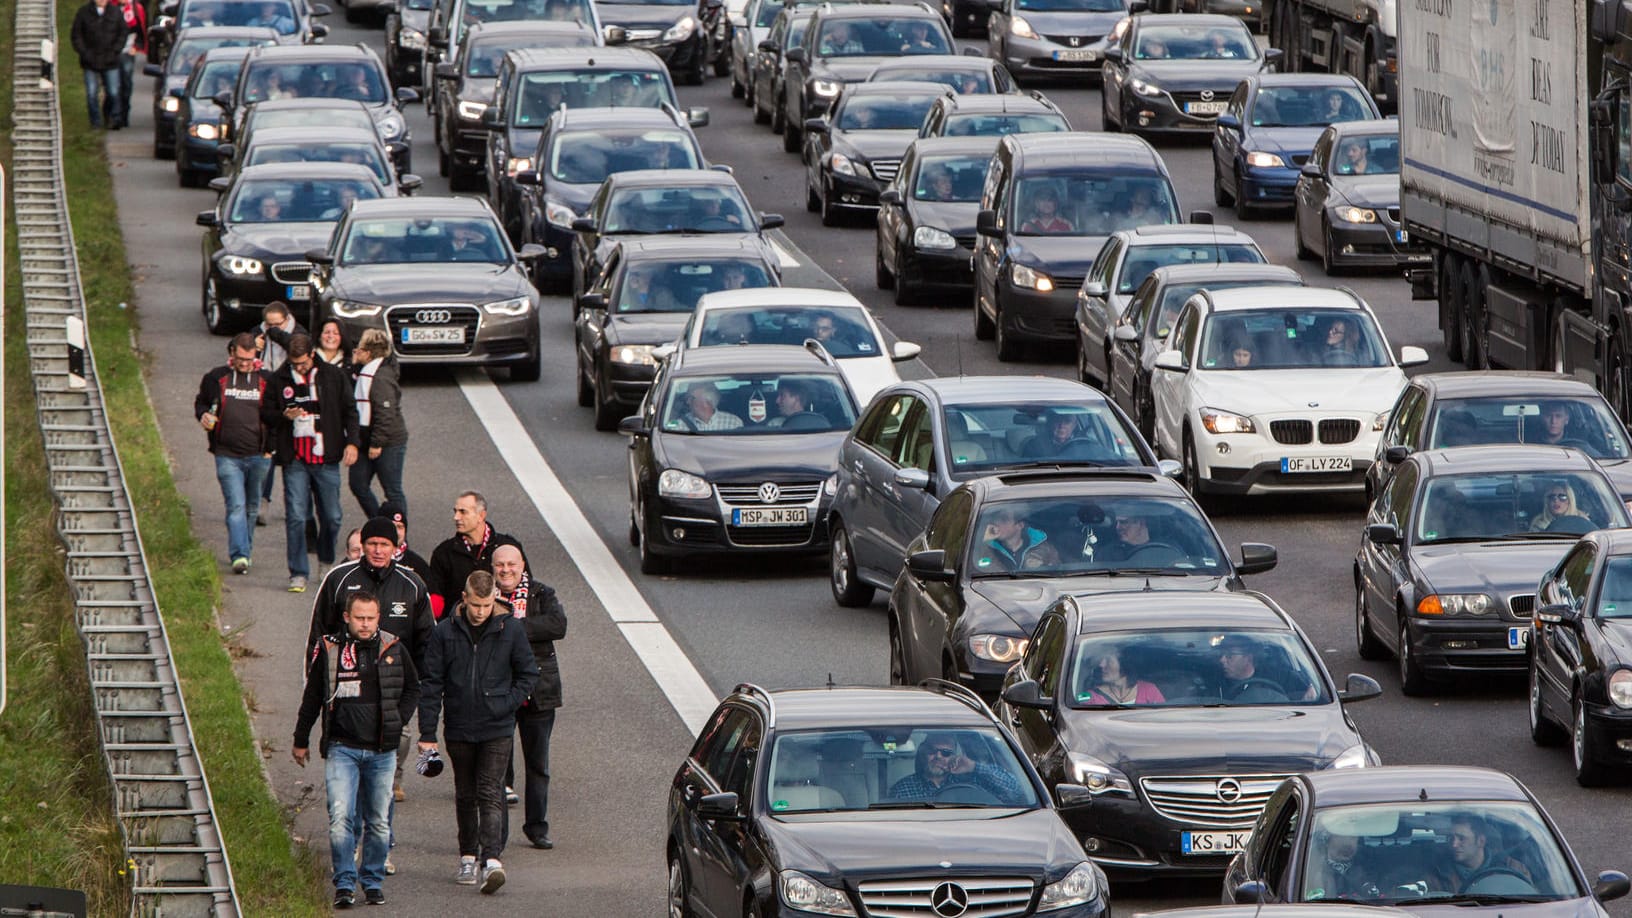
point(1228, 790)
point(1075, 41)
point(769, 492)
point(433, 316)
point(949, 900)
point(1206, 95)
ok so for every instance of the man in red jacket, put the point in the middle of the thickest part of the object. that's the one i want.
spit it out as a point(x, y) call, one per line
point(135, 16)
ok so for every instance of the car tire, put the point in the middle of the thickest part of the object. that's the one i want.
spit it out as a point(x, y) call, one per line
point(831, 215)
point(1192, 468)
point(722, 68)
point(214, 318)
point(1008, 349)
point(984, 328)
point(1413, 681)
point(634, 532)
point(1584, 751)
point(1304, 252)
point(813, 201)
point(882, 277)
point(1243, 210)
point(1327, 264)
point(1451, 321)
point(776, 117)
point(650, 561)
point(679, 890)
point(793, 138)
point(1365, 640)
point(1106, 124)
point(1083, 376)
point(898, 656)
point(586, 390)
point(190, 178)
point(738, 91)
point(1544, 731)
point(528, 370)
point(848, 589)
point(444, 162)
point(1221, 197)
point(607, 412)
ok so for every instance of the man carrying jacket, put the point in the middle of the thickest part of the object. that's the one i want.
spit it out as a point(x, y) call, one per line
point(478, 670)
point(238, 407)
point(98, 37)
point(469, 549)
point(318, 434)
point(363, 684)
point(545, 621)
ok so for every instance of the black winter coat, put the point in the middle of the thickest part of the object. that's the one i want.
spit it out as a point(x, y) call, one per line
point(98, 39)
point(479, 685)
point(454, 560)
point(399, 691)
point(208, 399)
point(405, 606)
point(337, 419)
point(545, 621)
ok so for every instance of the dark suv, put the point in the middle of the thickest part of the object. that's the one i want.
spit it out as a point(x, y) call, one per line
point(870, 801)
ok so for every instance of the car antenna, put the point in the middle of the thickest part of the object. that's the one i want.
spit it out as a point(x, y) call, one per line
point(830, 683)
point(957, 344)
point(1422, 794)
point(1148, 587)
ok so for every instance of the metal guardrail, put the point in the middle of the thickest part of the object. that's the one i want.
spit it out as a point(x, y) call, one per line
point(160, 794)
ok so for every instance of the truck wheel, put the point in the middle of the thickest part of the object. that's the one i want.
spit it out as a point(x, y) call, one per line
point(1614, 384)
point(1450, 314)
point(1475, 355)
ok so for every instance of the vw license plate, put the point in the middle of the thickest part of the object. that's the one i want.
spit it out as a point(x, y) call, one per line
point(434, 335)
point(769, 516)
point(1076, 56)
point(1215, 842)
point(1518, 638)
point(1296, 464)
point(1205, 108)
point(297, 292)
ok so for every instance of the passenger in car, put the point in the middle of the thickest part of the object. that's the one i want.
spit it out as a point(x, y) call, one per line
point(1111, 681)
point(1012, 544)
point(1339, 872)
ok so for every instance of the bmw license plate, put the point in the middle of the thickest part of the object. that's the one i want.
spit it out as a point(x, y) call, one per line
point(1215, 842)
point(769, 516)
point(1518, 638)
point(1077, 56)
point(1299, 464)
point(297, 292)
point(1402, 237)
point(434, 335)
point(1205, 108)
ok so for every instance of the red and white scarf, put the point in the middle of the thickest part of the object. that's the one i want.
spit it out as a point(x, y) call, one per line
point(517, 598)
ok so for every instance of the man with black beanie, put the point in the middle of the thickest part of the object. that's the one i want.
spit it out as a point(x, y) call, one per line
point(405, 556)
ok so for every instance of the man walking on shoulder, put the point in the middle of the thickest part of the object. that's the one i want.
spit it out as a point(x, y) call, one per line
point(98, 36)
point(318, 434)
point(469, 549)
point(535, 604)
point(239, 408)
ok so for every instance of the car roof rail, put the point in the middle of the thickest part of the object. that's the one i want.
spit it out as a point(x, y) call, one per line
point(754, 691)
point(821, 351)
point(959, 692)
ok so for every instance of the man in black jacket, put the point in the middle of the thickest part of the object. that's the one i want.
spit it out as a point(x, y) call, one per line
point(535, 604)
point(478, 670)
point(405, 556)
point(238, 407)
point(317, 436)
point(98, 35)
point(469, 549)
point(363, 684)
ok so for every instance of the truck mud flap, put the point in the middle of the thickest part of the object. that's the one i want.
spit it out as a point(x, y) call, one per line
point(1424, 282)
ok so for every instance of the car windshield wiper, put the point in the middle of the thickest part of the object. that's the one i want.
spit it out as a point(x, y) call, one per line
point(1572, 536)
point(906, 805)
point(1482, 899)
point(1457, 540)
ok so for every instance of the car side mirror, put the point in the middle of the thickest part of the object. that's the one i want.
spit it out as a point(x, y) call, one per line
point(1170, 468)
point(614, 35)
point(1170, 359)
point(445, 70)
point(769, 46)
point(1228, 122)
point(220, 185)
point(795, 55)
point(1252, 891)
point(583, 225)
point(1113, 54)
point(1200, 218)
point(1273, 55)
point(1395, 455)
point(665, 351)
point(929, 565)
point(1560, 614)
point(1026, 693)
point(1412, 356)
point(1359, 687)
point(409, 184)
point(319, 257)
point(986, 223)
point(1311, 169)
point(532, 251)
point(319, 30)
point(889, 196)
point(321, 9)
point(916, 479)
point(407, 95)
point(527, 177)
point(771, 221)
point(223, 99)
point(1093, 288)
point(1125, 332)
point(152, 70)
point(592, 301)
point(437, 37)
point(207, 218)
point(816, 125)
point(718, 806)
point(697, 116)
point(1612, 884)
point(634, 424)
point(491, 118)
point(902, 351)
point(1383, 534)
point(1256, 558)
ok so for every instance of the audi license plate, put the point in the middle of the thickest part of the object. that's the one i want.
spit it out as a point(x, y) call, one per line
point(1402, 237)
point(769, 516)
point(1205, 108)
point(1518, 638)
point(1215, 842)
point(443, 334)
point(1300, 464)
point(1078, 56)
point(297, 292)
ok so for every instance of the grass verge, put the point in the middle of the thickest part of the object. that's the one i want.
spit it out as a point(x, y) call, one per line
point(272, 875)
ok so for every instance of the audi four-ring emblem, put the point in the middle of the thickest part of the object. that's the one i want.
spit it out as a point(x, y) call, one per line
point(433, 316)
point(949, 900)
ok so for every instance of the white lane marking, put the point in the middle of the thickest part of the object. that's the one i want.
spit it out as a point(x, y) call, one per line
point(788, 261)
point(673, 671)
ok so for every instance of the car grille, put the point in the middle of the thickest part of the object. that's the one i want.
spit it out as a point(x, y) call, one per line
point(1523, 605)
point(1182, 97)
point(1200, 799)
point(1068, 283)
point(967, 242)
point(885, 169)
point(1339, 430)
point(769, 536)
point(795, 494)
point(1292, 431)
point(292, 272)
point(988, 898)
point(398, 318)
point(1073, 41)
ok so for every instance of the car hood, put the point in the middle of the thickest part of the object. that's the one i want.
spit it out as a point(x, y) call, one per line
point(1497, 568)
point(876, 144)
point(974, 841)
point(1619, 473)
point(1369, 190)
point(1024, 600)
point(642, 15)
point(648, 327)
point(276, 240)
point(848, 69)
point(1177, 741)
point(747, 458)
point(1360, 389)
point(954, 217)
point(574, 196)
point(1286, 141)
point(867, 375)
point(1219, 76)
point(1067, 255)
point(480, 89)
point(430, 283)
point(1067, 23)
point(1584, 907)
point(524, 141)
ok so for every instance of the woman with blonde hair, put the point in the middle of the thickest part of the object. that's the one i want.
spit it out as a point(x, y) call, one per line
point(1559, 512)
point(384, 432)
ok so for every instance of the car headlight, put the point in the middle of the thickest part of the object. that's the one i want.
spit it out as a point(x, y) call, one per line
point(675, 483)
point(1145, 89)
point(515, 306)
point(1020, 28)
point(1620, 688)
point(1030, 278)
point(1357, 756)
point(1356, 214)
point(1098, 776)
point(170, 104)
point(559, 214)
point(825, 87)
point(241, 266)
point(1226, 422)
point(634, 355)
point(1381, 422)
point(517, 164)
point(471, 110)
point(1265, 160)
point(806, 895)
point(392, 127)
point(928, 237)
point(840, 164)
point(1455, 604)
point(351, 309)
point(997, 648)
point(1075, 888)
point(412, 39)
point(205, 130)
point(830, 487)
point(681, 30)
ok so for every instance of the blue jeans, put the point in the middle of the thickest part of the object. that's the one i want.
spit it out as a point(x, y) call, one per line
point(389, 470)
point(353, 778)
point(111, 107)
point(240, 479)
point(302, 482)
point(127, 81)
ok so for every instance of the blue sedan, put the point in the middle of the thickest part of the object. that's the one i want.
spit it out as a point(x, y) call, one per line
point(1268, 128)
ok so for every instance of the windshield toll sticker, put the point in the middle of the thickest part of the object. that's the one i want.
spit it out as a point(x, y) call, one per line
point(779, 805)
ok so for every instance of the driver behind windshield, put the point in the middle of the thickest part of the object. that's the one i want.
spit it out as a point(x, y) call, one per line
point(1474, 855)
point(1132, 535)
point(1059, 429)
point(941, 765)
point(1240, 657)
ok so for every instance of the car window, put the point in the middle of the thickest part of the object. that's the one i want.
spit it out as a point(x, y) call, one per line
point(1050, 637)
point(1575, 575)
point(189, 51)
point(680, 209)
point(962, 80)
point(882, 428)
point(719, 742)
point(985, 436)
point(419, 240)
point(277, 15)
point(1090, 203)
point(540, 93)
point(1278, 849)
point(1407, 418)
point(1292, 338)
point(1540, 503)
point(843, 330)
point(770, 403)
point(365, 154)
point(765, 14)
point(358, 81)
point(856, 37)
point(999, 125)
point(1397, 497)
point(1175, 295)
point(654, 285)
point(1369, 154)
point(1615, 589)
point(857, 768)
point(1195, 668)
point(883, 111)
point(1143, 259)
point(738, 775)
point(475, 11)
point(588, 157)
point(1309, 106)
point(1188, 322)
point(215, 78)
point(949, 528)
point(1072, 6)
point(1082, 534)
point(1193, 42)
point(916, 447)
point(483, 60)
point(1105, 261)
point(291, 201)
point(1138, 310)
point(1585, 423)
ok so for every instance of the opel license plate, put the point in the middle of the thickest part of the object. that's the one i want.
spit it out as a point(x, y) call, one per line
point(768, 516)
point(297, 292)
point(1205, 108)
point(1299, 464)
point(442, 334)
point(1083, 54)
point(1215, 842)
point(1518, 638)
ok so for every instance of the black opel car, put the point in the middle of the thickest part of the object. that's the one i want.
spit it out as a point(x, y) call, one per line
point(1181, 713)
point(170, 83)
point(200, 119)
point(732, 452)
point(856, 148)
point(1454, 546)
point(870, 801)
point(1173, 73)
point(926, 218)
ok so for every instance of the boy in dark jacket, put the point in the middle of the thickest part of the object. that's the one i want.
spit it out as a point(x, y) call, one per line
point(317, 435)
point(238, 406)
point(98, 37)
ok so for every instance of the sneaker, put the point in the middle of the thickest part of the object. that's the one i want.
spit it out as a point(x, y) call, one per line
point(467, 872)
point(297, 584)
point(492, 877)
point(374, 896)
point(240, 565)
point(344, 898)
point(390, 871)
point(397, 794)
point(511, 797)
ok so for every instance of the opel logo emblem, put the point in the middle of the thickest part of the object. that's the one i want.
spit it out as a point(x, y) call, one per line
point(433, 316)
point(949, 900)
point(1206, 95)
point(769, 492)
point(1229, 790)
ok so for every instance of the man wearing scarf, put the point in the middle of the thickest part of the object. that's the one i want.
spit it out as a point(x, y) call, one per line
point(545, 621)
point(405, 556)
point(468, 550)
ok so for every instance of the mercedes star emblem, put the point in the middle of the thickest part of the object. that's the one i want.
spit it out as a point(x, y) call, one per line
point(1229, 790)
point(433, 316)
point(949, 900)
point(769, 492)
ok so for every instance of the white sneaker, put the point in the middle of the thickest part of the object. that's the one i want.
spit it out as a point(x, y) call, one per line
point(467, 872)
point(492, 877)
point(511, 797)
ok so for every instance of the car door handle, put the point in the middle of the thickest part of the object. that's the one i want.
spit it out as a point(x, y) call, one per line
point(859, 467)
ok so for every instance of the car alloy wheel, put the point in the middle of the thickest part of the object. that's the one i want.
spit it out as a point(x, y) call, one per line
point(679, 906)
point(898, 657)
point(1192, 468)
point(1365, 640)
point(1412, 679)
point(1543, 731)
point(1584, 747)
point(848, 590)
point(1008, 349)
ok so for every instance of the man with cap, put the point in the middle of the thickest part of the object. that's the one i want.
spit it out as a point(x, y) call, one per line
point(468, 550)
point(545, 621)
point(405, 556)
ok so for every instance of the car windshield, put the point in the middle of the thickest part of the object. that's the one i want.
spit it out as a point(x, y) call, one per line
point(843, 330)
point(1615, 594)
point(1072, 6)
point(1309, 106)
point(524, 11)
point(1092, 203)
point(1377, 154)
point(545, 91)
point(676, 286)
point(682, 209)
point(297, 200)
point(363, 154)
point(421, 241)
point(1195, 668)
point(758, 404)
point(215, 78)
point(1474, 851)
point(1000, 125)
point(981, 437)
point(588, 157)
point(483, 60)
point(884, 111)
point(349, 117)
point(1140, 260)
point(277, 15)
point(766, 14)
point(861, 768)
point(951, 178)
point(358, 82)
point(189, 51)
point(964, 80)
point(796, 31)
point(1517, 505)
point(1067, 536)
point(1292, 338)
point(1583, 423)
point(1194, 42)
point(892, 37)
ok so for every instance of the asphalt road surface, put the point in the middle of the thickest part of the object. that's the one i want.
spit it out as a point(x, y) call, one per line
point(645, 655)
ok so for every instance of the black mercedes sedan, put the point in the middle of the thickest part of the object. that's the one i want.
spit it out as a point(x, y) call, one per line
point(1347, 200)
point(438, 275)
point(998, 552)
point(1581, 657)
point(257, 235)
point(1181, 713)
point(856, 147)
point(733, 451)
point(1435, 840)
point(870, 801)
point(1454, 546)
point(1173, 73)
point(170, 83)
point(926, 218)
